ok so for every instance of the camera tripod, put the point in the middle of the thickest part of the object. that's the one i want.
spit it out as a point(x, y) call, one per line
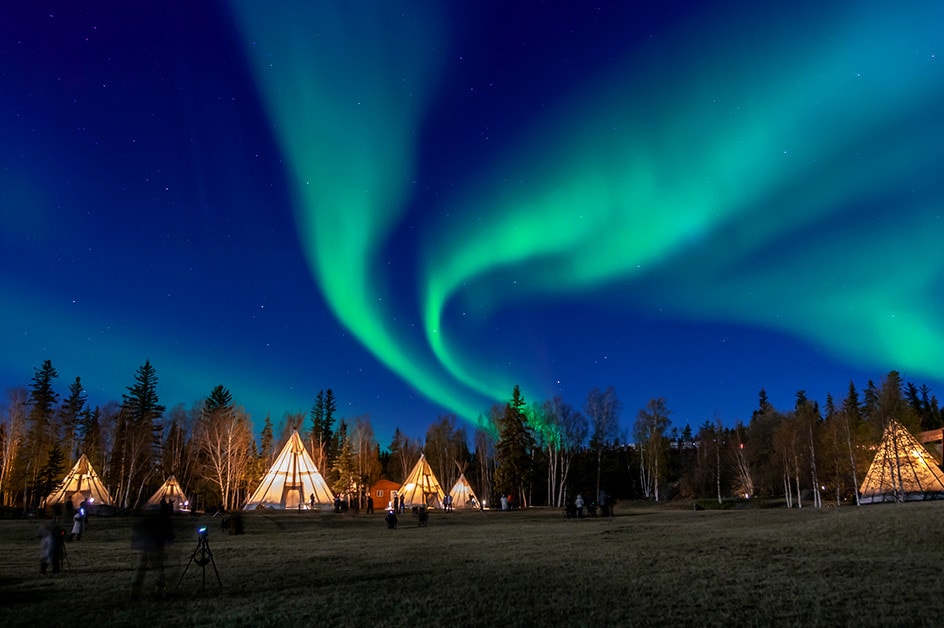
point(203, 556)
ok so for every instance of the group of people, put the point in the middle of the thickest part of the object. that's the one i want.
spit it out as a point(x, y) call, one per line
point(342, 505)
point(576, 508)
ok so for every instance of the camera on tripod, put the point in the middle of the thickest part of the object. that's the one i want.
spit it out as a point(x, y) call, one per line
point(202, 555)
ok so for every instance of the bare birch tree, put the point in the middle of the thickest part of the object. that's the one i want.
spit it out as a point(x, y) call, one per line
point(225, 441)
point(404, 452)
point(14, 431)
point(446, 447)
point(485, 442)
point(745, 477)
point(566, 434)
point(364, 448)
point(603, 410)
point(808, 420)
point(651, 423)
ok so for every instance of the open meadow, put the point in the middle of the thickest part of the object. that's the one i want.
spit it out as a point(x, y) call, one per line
point(648, 565)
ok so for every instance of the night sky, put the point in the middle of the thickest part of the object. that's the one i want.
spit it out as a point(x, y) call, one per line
point(420, 205)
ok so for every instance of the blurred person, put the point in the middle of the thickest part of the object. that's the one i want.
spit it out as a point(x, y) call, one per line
point(149, 535)
point(50, 548)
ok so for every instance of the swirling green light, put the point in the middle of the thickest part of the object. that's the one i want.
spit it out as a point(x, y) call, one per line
point(346, 85)
point(668, 178)
point(708, 172)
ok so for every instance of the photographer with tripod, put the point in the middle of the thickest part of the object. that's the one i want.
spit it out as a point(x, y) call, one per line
point(149, 535)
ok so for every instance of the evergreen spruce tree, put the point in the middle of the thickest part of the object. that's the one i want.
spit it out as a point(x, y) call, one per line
point(220, 399)
point(268, 442)
point(42, 432)
point(322, 436)
point(513, 450)
point(71, 413)
point(327, 434)
point(141, 433)
point(89, 435)
point(343, 473)
point(51, 473)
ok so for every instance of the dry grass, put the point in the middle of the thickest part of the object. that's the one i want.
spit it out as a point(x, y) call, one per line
point(649, 565)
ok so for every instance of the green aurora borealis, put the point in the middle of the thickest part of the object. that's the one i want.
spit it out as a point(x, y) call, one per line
point(749, 168)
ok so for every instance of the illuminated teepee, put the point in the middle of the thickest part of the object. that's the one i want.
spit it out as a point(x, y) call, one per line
point(902, 470)
point(421, 487)
point(462, 494)
point(291, 481)
point(170, 491)
point(80, 484)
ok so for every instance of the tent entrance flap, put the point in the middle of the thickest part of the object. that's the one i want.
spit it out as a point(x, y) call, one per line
point(292, 495)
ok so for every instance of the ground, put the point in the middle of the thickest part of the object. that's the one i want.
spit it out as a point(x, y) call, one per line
point(648, 565)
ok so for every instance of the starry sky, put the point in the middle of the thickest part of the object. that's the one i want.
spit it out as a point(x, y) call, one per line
point(421, 204)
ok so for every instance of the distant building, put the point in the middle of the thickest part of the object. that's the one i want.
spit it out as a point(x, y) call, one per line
point(382, 492)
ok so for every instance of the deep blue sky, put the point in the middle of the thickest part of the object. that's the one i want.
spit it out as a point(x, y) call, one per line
point(691, 203)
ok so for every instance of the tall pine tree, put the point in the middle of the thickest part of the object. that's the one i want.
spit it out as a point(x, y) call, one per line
point(513, 451)
point(71, 415)
point(42, 432)
point(141, 435)
point(322, 436)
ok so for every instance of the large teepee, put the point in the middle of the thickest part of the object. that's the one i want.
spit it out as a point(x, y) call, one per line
point(462, 494)
point(291, 481)
point(80, 484)
point(171, 491)
point(902, 470)
point(421, 487)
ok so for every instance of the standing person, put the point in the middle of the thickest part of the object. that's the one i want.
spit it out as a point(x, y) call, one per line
point(396, 502)
point(311, 502)
point(604, 505)
point(579, 504)
point(504, 502)
point(78, 525)
point(370, 505)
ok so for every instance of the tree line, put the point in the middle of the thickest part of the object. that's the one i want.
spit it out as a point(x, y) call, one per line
point(539, 453)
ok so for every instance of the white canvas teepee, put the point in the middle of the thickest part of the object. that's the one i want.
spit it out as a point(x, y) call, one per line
point(80, 484)
point(902, 470)
point(171, 491)
point(421, 487)
point(291, 481)
point(462, 494)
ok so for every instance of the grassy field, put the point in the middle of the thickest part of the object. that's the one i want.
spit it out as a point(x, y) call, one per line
point(648, 565)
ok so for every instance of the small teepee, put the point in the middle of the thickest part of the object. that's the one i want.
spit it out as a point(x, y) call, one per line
point(171, 491)
point(421, 487)
point(463, 496)
point(80, 484)
point(291, 481)
point(902, 470)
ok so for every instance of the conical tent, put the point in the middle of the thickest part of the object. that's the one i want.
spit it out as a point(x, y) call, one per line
point(462, 494)
point(421, 487)
point(171, 491)
point(80, 484)
point(902, 470)
point(291, 481)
